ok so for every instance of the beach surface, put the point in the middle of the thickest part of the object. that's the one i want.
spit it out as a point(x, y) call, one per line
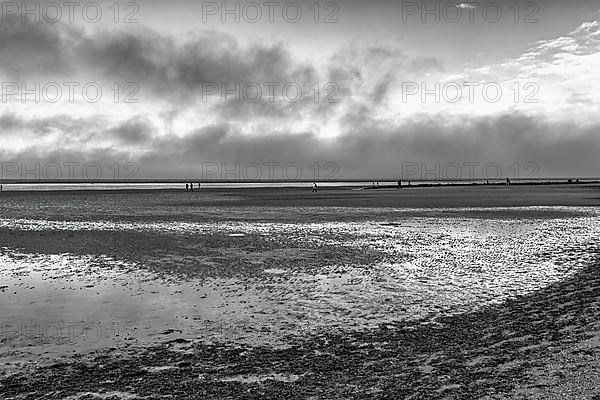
point(437, 196)
point(425, 292)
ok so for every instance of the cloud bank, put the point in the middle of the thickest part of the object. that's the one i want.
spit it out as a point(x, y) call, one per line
point(176, 128)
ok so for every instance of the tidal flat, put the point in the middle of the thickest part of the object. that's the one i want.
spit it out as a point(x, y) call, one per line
point(208, 295)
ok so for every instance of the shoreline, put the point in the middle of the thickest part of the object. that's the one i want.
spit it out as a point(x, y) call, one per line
point(272, 185)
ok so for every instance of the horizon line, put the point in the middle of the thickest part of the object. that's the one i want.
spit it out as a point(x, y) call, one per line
point(244, 181)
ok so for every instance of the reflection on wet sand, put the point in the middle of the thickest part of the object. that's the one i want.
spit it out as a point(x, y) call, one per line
point(426, 267)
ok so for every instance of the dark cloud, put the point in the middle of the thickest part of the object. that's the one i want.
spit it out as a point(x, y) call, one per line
point(158, 64)
point(377, 149)
point(370, 73)
point(36, 49)
point(8, 122)
point(135, 131)
point(179, 71)
point(83, 133)
point(67, 128)
point(372, 150)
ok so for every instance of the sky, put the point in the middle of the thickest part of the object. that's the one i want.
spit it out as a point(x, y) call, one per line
point(299, 90)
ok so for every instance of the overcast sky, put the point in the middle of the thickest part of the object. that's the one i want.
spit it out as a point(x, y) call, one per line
point(368, 90)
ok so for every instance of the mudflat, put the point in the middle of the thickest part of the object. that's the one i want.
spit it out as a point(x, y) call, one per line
point(424, 292)
point(442, 196)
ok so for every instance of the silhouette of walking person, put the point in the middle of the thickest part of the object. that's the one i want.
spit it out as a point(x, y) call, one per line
point(191, 187)
point(187, 187)
point(399, 184)
point(507, 181)
point(315, 187)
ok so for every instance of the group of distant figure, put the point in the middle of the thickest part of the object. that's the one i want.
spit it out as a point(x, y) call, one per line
point(189, 187)
point(487, 182)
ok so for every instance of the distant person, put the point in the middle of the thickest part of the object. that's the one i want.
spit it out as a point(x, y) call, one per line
point(187, 187)
point(191, 187)
point(198, 185)
point(399, 184)
point(315, 187)
point(377, 183)
point(487, 181)
point(1, 187)
point(507, 181)
point(408, 183)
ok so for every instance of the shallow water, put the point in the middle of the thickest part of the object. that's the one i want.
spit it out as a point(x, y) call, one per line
point(427, 266)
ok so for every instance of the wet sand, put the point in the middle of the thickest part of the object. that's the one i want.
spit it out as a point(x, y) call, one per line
point(541, 346)
point(445, 196)
point(544, 343)
point(424, 197)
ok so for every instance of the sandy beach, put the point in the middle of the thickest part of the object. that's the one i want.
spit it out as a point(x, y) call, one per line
point(431, 292)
